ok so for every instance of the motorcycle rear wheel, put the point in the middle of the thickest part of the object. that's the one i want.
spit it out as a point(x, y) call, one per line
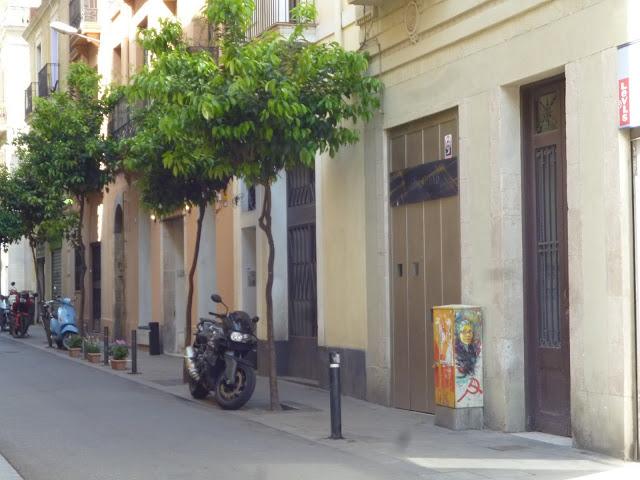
point(235, 396)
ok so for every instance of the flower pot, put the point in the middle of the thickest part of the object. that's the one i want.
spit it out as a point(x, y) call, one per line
point(75, 352)
point(119, 364)
point(94, 357)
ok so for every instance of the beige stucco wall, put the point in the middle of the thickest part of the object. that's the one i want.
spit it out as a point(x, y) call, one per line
point(475, 56)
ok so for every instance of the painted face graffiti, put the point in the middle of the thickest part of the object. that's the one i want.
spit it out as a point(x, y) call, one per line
point(467, 350)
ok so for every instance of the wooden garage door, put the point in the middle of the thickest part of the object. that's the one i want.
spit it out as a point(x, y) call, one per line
point(425, 256)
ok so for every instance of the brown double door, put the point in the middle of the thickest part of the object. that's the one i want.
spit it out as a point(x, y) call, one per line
point(425, 256)
point(546, 258)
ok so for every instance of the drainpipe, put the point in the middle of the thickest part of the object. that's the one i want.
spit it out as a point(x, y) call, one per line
point(338, 21)
point(635, 154)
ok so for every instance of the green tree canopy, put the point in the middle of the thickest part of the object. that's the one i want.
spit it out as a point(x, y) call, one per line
point(65, 148)
point(252, 108)
point(174, 154)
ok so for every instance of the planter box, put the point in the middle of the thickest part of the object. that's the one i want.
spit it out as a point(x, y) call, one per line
point(119, 364)
point(75, 352)
point(94, 357)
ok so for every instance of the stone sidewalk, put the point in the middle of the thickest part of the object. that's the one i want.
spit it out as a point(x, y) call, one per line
point(408, 441)
point(7, 472)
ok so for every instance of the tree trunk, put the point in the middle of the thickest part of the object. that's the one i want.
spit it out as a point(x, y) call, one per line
point(83, 263)
point(265, 226)
point(40, 289)
point(192, 272)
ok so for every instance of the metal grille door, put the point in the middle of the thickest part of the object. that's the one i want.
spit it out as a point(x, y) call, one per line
point(301, 247)
point(56, 272)
point(546, 258)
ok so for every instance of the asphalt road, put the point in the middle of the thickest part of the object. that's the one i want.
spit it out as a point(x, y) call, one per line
point(63, 420)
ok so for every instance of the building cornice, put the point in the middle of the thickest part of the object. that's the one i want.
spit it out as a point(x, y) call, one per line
point(36, 21)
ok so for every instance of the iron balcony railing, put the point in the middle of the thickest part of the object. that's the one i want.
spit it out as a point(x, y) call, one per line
point(121, 123)
point(269, 13)
point(83, 11)
point(29, 94)
point(48, 79)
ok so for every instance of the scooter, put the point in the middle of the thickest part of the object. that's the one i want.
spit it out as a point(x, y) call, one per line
point(21, 312)
point(62, 321)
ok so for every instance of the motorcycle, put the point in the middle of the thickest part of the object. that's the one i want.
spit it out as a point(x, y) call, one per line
point(223, 358)
point(62, 321)
point(21, 312)
point(4, 314)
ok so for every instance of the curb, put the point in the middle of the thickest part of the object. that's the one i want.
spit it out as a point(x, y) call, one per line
point(7, 472)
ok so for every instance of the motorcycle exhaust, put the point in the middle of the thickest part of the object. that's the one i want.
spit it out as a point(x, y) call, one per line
point(191, 367)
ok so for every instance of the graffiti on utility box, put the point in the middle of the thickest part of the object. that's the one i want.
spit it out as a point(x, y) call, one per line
point(458, 356)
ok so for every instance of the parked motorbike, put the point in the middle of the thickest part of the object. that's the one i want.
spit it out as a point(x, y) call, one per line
point(4, 313)
point(223, 358)
point(62, 321)
point(21, 311)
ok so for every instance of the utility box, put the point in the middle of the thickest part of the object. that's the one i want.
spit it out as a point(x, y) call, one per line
point(459, 388)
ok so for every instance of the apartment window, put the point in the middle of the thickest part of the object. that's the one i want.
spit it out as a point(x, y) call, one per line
point(38, 57)
point(142, 55)
point(78, 270)
point(116, 67)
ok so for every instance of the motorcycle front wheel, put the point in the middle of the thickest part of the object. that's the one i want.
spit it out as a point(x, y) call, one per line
point(64, 343)
point(197, 390)
point(233, 397)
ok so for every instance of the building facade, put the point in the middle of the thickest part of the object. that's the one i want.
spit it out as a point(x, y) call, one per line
point(144, 261)
point(540, 234)
point(137, 265)
point(16, 264)
point(509, 113)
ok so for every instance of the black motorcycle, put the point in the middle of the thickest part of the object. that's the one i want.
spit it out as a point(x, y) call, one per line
point(223, 358)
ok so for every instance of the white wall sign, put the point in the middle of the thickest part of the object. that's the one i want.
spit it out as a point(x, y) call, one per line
point(629, 85)
point(448, 146)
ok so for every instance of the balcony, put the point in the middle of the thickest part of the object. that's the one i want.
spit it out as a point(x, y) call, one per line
point(48, 80)
point(83, 15)
point(271, 14)
point(83, 12)
point(29, 95)
point(120, 121)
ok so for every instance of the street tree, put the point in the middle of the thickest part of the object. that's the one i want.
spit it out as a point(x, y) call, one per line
point(65, 148)
point(173, 154)
point(281, 101)
point(30, 209)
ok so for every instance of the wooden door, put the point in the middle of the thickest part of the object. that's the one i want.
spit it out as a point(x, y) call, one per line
point(302, 292)
point(119, 310)
point(425, 249)
point(546, 258)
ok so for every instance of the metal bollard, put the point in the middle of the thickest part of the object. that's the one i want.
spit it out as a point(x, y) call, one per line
point(105, 346)
point(334, 386)
point(134, 352)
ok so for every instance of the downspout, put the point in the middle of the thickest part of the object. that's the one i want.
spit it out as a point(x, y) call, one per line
point(635, 153)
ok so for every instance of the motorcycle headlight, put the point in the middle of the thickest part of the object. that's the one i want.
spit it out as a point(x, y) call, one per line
point(240, 337)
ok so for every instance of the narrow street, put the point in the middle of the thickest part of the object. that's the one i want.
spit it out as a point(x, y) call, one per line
point(63, 420)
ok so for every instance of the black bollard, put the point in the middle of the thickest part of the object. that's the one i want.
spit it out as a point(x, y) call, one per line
point(105, 345)
point(134, 352)
point(334, 386)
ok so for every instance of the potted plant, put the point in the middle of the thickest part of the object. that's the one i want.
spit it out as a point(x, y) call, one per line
point(75, 346)
point(119, 353)
point(92, 350)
